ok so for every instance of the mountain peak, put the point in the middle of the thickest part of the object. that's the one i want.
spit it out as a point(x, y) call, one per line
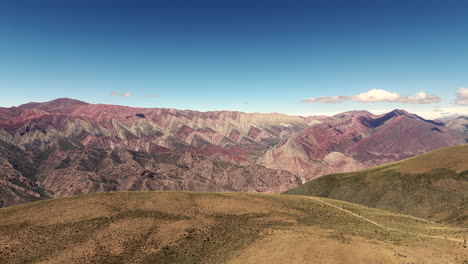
point(356, 113)
point(380, 120)
point(64, 100)
point(399, 112)
point(60, 105)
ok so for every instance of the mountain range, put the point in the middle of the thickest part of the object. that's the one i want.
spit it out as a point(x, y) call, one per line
point(66, 147)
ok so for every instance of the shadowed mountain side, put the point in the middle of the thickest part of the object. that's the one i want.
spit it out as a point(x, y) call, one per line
point(97, 170)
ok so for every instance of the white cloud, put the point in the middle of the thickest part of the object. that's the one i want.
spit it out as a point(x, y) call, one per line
point(378, 95)
point(421, 98)
point(126, 94)
point(462, 96)
point(326, 99)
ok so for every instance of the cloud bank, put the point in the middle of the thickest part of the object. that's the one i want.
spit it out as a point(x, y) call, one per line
point(462, 96)
point(378, 95)
point(327, 99)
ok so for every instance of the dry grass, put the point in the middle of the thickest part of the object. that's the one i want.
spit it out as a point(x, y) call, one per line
point(184, 227)
point(454, 158)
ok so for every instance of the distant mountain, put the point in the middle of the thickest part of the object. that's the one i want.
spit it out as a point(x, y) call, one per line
point(459, 124)
point(447, 118)
point(356, 140)
point(433, 186)
point(66, 147)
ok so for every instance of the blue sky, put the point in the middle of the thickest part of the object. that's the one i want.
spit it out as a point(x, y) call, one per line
point(253, 56)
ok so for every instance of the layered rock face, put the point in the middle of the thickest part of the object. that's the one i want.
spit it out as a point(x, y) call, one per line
point(66, 147)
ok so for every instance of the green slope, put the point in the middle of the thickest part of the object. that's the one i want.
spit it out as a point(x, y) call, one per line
point(181, 227)
point(433, 186)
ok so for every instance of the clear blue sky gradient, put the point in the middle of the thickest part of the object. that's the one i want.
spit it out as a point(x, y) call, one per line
point(253, 56)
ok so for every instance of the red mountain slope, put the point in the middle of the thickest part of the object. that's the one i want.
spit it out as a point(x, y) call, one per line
point(66, 147)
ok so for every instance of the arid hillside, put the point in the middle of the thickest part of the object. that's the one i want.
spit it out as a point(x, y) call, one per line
point(183, 227)
point(432, 185)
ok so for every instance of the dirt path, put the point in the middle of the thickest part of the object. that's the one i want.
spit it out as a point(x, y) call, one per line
point(380, 225)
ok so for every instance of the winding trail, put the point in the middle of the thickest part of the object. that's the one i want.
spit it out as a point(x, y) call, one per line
point(380, 225)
